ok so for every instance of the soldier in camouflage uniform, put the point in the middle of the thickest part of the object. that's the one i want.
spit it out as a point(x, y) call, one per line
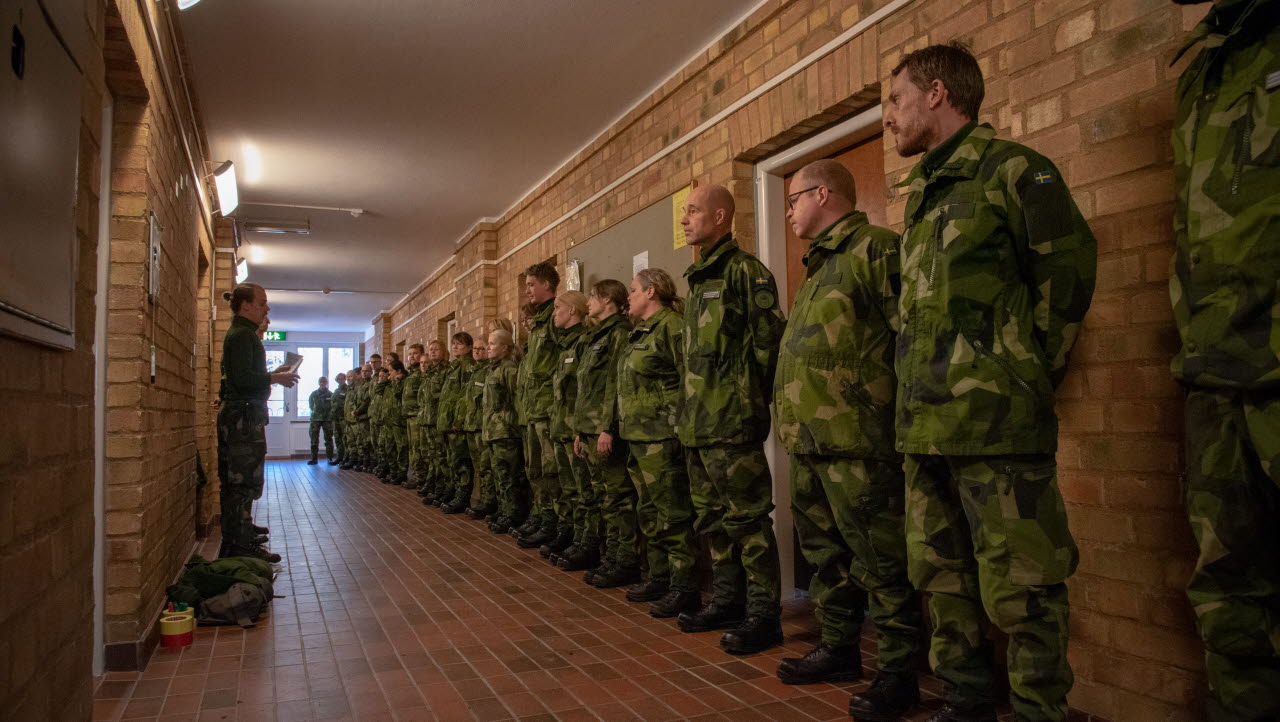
point(573, 539)
point(242, 419)
point(998, 268)
point(431, 463)
point(319, 403)
point(337, 414)
point(1226, 149)
point(833, 404)
point(377, 422)
point(534, 398)
point(449, 419)
point(649, 377)
point(503, 434)
point(595, 418)
point(395, 444)
point(364, 459)
point(471, 408)
point(410, 392)
point(732, 324)
point(351, 427)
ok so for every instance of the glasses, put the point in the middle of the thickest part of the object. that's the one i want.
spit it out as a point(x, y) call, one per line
point(791, 199)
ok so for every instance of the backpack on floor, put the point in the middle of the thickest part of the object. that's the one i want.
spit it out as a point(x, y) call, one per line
point(242, 604)
point(231, 590)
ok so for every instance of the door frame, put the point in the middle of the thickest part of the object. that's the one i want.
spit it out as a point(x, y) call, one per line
point(771, 248)
point(290, 446)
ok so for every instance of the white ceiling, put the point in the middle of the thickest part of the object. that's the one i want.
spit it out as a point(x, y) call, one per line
point(428, 114)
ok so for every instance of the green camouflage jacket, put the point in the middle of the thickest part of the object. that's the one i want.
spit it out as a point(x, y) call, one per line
point(472, 399)
point(533, 390)
point(447, 407)
point(997, 272)
point(564, 380)
point(338, 404)
point(595, 409)
point(1226, 152)
point(649, 374)
point(732, 324)
point(429, 393)
point(834, 390)
point(392, 411)
point(500, 418)
point(362, 397)
point(410, 390)
point(319, 403)
point(349, 404)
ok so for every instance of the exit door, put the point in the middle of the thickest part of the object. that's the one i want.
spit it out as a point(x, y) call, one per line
point(288, 410)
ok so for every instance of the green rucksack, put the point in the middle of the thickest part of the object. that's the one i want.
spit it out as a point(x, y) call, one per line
point(231, 590)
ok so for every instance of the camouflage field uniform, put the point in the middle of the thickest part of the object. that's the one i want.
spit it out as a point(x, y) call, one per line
point(362, 397)
point(732, 324)
point(449, 419)
point(534, 399)
point(649, 378)
point(574, 474)
point(470, 409)
point(833, 403)
point(352, 422)
point(435, 456)
point(320, 402)
point(997, 273)
point(1226, 302)
point(410, 392)
point(377, 399)
point(396, 451)
point(594, 413)
point(242, 428)
point(505, 439)
point(338, 416)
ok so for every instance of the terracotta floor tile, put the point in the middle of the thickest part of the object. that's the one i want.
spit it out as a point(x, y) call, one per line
point(391, 610)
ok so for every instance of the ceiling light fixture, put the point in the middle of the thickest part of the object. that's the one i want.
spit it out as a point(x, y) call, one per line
point(301, 228)
point(228, 197)
point(184, 4)
point(257, 254)
point(242, 270)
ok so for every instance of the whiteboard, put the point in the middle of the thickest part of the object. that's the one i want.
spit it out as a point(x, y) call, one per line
point(609, 254)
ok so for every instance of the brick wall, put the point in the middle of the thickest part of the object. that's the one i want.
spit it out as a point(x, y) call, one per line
point(46, 475)
point(1088, 83)
point(151, 419)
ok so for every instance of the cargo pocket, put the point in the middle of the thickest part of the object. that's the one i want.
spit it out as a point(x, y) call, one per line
point(1039, 544)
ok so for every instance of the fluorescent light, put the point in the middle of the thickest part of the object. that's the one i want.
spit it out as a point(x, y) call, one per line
point(301, 228)
point(184, 4)
point(242, 270)
point(228, 196)
point(257, 254)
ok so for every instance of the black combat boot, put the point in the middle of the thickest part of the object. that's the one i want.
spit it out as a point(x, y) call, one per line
point(674, 603)
point(530, 526)
point(890, 696)
point(260, 529)
point(255, 551)
point(756, 634)
point(823, 663)
point(313, 461)
point(537, 539)
point(956, 713)
point(616, 576)
point(590, 576)
point(650, 591)
point(716, 615)
point(500, 525)
point(584, 557)
point(457, 506)
point(556, 557)
point(332, 461)
point(556, 544)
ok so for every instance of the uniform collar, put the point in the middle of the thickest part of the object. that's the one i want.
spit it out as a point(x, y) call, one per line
point(607, 324)
point(723, 247)
point(963, 162)
point(242, 321)
point(542, 311)
point(653, 320)
point(836, 233)
point(1225, 18)
point(569, 334)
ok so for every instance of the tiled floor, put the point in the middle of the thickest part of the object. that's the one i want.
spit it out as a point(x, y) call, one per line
point(394, 611)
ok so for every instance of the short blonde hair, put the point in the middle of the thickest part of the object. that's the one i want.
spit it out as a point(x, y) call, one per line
point(577, 300)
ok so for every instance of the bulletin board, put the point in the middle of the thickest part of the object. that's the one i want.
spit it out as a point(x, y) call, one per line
point(653, 231)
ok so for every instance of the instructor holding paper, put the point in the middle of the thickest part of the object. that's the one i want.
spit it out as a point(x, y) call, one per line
point(242, 420)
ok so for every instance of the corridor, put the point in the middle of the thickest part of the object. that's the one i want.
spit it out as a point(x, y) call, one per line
point(391, 610)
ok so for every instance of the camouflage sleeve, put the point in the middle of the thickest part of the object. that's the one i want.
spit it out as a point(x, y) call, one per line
point(764, 320)
point(610, 412)
point(311, 401)
point(1058, 256)
point(886, 270)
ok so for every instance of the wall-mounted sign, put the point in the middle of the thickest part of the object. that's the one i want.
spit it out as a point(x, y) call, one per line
point(677, 212)
point(275, 336)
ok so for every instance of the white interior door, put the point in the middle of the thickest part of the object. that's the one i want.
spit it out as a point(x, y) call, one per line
point(280, 406)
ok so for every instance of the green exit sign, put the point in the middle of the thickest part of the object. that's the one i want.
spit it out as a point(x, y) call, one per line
point(275, 335)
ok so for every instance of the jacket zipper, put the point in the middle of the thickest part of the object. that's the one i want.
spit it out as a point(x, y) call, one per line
point(1243, 151)
point(1004, 364)
point(937, 250)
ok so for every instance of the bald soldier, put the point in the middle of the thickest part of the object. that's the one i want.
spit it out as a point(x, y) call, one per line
point(833, 404)
point(732, 324)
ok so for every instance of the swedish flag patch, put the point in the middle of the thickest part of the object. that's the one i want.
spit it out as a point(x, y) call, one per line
point(762, 281)
point(1042, 177)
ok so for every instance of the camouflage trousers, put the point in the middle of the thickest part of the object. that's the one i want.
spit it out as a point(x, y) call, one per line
point(616, 500)
point(414, 439)
point(664, 509)
point(576, 496)
point(313, 431)
point(506, 457)
point(351, 436)
point(460, 469)
point(397, 445)
point(1233, 501)
point(540, 469)
point(732, 495)
point(367, 449)
point(242, 453)
point(340, 440)
point(990, 533)
point(482, 461)
point(849, 517)
point(438, 479)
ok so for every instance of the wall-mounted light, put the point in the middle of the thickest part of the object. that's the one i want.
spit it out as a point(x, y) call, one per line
point(228, 196)
point(184, 4)
point(257, 254)
point(242, 270)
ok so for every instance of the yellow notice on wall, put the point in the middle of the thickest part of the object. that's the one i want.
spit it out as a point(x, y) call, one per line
point(677, 212)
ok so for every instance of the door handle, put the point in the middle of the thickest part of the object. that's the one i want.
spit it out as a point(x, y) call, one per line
point(286, 407)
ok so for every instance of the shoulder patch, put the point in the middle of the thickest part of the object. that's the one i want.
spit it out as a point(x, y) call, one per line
point(1273, 80)
point(762, 281)
point(1042, 177)
point(764, 299)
